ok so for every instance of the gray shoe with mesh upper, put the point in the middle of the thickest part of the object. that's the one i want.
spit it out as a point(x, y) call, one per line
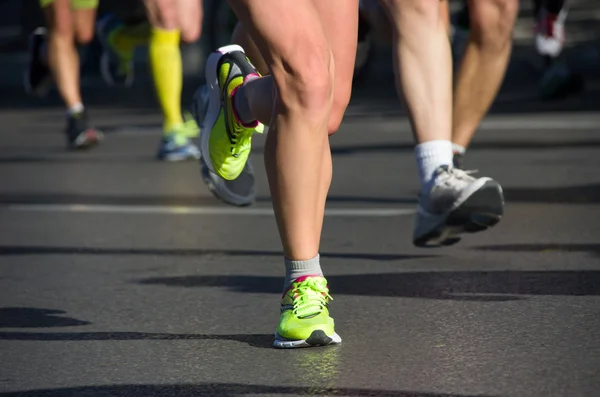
point(456, 203)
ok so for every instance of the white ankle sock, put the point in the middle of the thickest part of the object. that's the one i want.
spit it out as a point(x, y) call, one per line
point(430, 155)
point(458, 149)
point(77, 108)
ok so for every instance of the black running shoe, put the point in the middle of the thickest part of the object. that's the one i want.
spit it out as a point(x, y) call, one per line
point(79, 133)
point(38, 78)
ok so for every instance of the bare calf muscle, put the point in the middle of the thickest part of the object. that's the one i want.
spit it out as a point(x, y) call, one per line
point(309, 50)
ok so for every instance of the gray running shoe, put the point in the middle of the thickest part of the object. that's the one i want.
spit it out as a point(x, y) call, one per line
point(456, 203)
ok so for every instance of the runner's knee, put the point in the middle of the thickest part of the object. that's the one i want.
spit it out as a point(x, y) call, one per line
point(162, 14)
point(190, 34)
point(60, 25)
point(304, 80)
point(492, 22)
point(338, 108)
point(84, 36)
point(425, 11)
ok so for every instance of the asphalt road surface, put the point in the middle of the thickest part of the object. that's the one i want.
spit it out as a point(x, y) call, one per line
point(122, 276)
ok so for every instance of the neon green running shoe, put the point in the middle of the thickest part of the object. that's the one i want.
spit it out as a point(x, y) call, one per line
point(116, 66)
point(225, 142)
point(305, 319)
point(190, 127)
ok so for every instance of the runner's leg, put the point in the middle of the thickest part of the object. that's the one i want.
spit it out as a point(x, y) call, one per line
point(451, 201)
point(62, 55)
point(483, 65)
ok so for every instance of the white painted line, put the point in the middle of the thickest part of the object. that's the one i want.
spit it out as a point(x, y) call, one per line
point(400, 124)
point(539, 124)
point(533, 122)
point(171, 210)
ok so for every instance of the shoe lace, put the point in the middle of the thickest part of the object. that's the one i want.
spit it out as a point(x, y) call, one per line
point(241, 139)
point(456, 179)
point(310, 296)
point(463, 174)
point(240, 143)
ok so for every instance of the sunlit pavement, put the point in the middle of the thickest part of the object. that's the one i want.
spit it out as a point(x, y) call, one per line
point(123, 276)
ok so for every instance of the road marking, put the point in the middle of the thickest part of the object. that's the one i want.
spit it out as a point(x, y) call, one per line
point(550, 123)
point(181, 210)
point(390, 120)
point(399, 123)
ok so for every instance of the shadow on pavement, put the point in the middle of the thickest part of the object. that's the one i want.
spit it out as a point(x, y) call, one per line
point(579, 194)
point(582, 194)
point(254, 340)
point(495, 286)
point(27, 317)
point(40, 250)
point(395, 147)
point(59, 198)
point(217, 389)
point(593, 249)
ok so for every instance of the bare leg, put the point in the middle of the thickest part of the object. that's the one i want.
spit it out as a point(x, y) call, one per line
point(483, 65)
point(451, 201)
point(445, 10)
point(190, 14)
point(304, 47)
point(341, 31)
point(302, 65)
point(66, 28)
point(62, 55)
point(241, 37)
point(425, 71)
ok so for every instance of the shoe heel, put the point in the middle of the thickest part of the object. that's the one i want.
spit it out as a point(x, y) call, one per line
point(214, 104)
point(230, 48)
point(481, 211)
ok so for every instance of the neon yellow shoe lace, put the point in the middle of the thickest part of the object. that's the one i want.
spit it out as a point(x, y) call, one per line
point(309, 296)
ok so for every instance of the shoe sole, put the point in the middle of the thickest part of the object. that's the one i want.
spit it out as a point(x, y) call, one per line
point(214, 104)
point(105, 59)
point(179, 157)
point(176, 158)
point(480, 211)
point(316, 339)
point(106, 75)
point(87, 140)
point(41, 91)
point(199, 106)
point(44, 87)
point(214, 183)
